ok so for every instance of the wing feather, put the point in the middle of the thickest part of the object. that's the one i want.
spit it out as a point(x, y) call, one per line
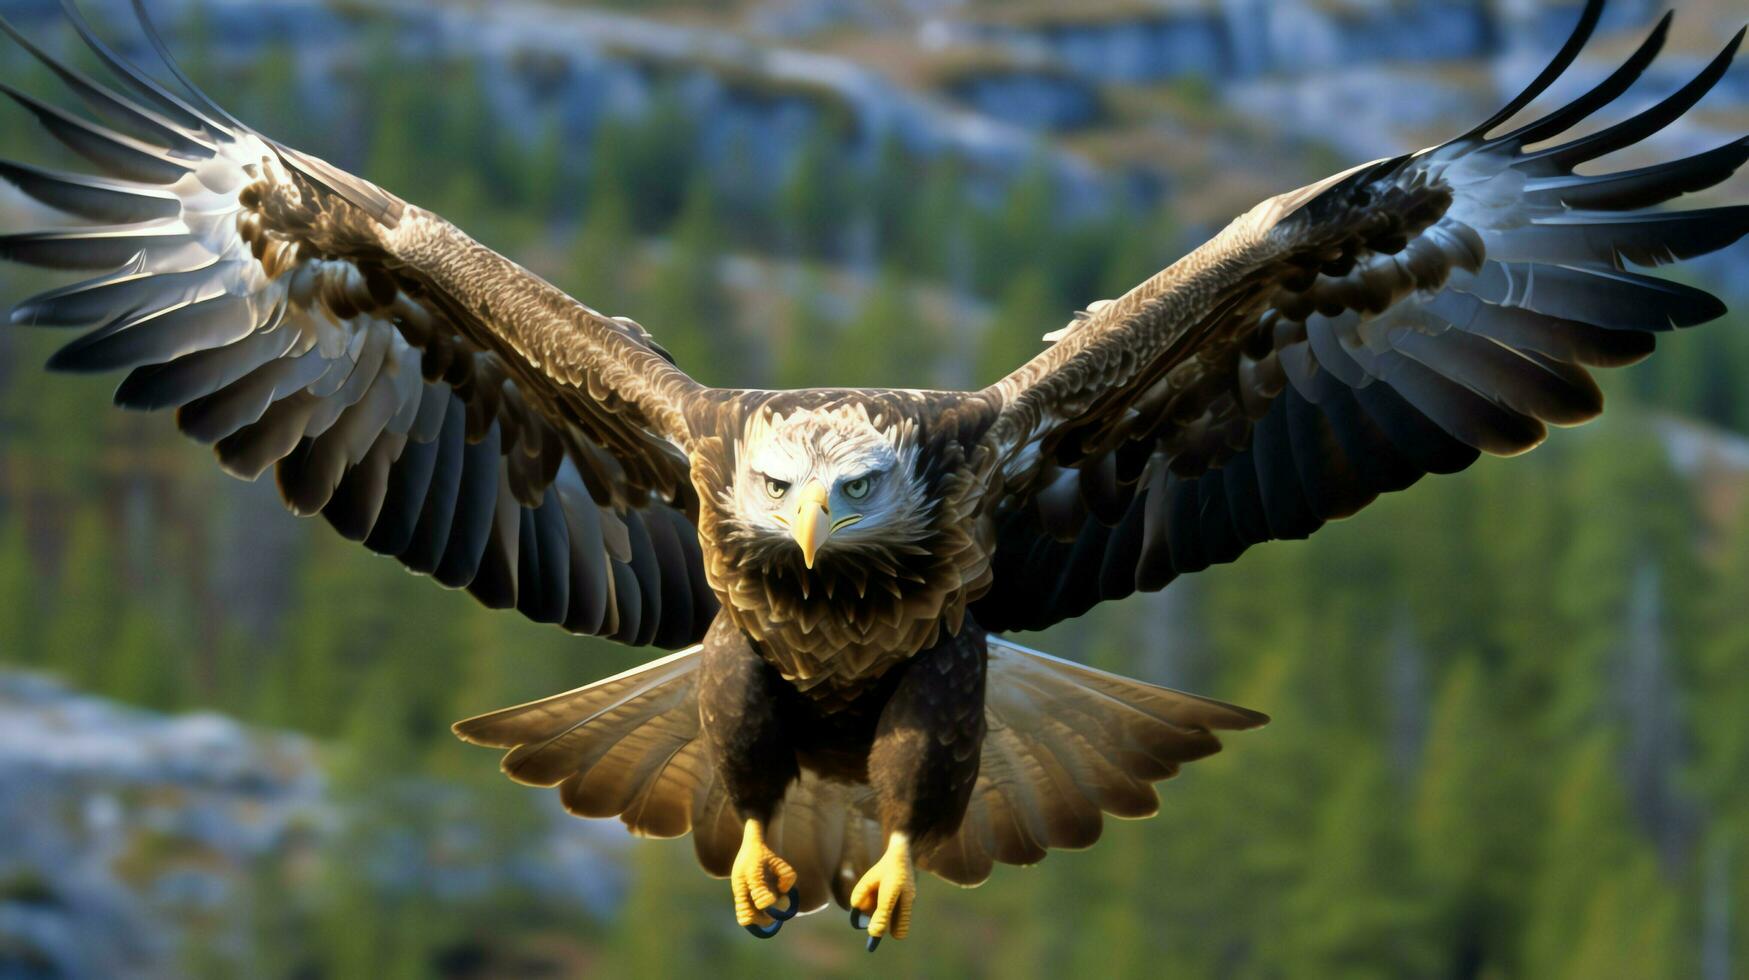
point(1342, 340)
point(426, 395)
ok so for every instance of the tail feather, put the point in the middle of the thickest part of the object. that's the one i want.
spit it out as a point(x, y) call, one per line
point(624, 747)
point(1066, 744)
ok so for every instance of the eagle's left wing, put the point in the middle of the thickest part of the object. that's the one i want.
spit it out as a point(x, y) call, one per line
point(1341, 341)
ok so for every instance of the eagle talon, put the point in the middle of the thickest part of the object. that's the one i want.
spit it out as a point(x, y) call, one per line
point(886, 894)
point(765, 932)
point(757, 879)
point(784, 915)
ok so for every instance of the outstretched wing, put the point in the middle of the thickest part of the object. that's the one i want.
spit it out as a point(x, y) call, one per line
point(427, 396)
point(1341, 341)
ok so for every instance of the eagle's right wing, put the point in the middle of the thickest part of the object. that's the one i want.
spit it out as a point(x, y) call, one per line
point(426, 395)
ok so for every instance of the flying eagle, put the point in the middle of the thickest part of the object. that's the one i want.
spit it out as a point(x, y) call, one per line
point(834, 566)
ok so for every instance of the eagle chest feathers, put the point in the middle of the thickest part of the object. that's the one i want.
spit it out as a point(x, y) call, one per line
point(842, 530)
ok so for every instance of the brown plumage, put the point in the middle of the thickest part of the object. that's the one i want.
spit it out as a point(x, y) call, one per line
point(836, 560)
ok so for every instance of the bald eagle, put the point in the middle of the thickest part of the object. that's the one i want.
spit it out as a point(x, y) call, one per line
point(835, 566)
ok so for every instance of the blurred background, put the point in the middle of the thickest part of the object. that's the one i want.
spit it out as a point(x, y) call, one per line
point(1511, 707)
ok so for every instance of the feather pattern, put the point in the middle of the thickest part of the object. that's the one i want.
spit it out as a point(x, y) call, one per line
point(1339, 341)
point(432, 412)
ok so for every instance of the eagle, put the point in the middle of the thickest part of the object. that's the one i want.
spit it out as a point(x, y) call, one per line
point(839, 569)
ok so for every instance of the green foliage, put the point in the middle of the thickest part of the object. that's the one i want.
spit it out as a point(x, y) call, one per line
point(1025, 315)
point(1600, 907)
point(689, 303)
point(886, 344)
point(802, 347)
point(651, 157)
point(812, 202)
point(21, 595)
point(601, 256)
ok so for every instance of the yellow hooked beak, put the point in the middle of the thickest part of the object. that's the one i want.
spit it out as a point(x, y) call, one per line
point(812, 523)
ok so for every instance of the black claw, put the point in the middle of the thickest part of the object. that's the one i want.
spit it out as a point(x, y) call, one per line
point(873, 941)
point(764, 932)
point(784, 915)
point(859, 919)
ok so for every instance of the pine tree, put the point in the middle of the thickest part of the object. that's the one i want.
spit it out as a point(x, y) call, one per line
point(1019, 237)
point(1474, 866)
point(813, 201)
point(1138, 248)
point(21, 615)
point(88, 600)
point(397, 129)
point(1358, 911)
point(142, 669)
point(602, 257)
point(807, 337)
point(886, 343)
point(695, 316)
point(1721, 729)
point(1599, 907)
point(1014, 334)
point(934, 239)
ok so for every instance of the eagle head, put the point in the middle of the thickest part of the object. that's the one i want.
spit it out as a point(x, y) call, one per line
point(828, 483)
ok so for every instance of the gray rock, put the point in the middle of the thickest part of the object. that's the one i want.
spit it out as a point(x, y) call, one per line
point(121, 823)
point(130, 836)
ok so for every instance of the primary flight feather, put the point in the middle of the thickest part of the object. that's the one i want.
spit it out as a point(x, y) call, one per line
point(836, 562)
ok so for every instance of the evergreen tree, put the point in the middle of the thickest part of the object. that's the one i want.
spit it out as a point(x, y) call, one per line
point(142, 668)
point(813, 201)
point(1721, 727)
point(398, 129)
point(21, 613)
point(1014, 335)
point(1358, 910)
point(1019, 237)
point(1475, 867)
point(1599, 907)
point(652, 157)
point(886, 343)
point(1137, 249)
point(602, 257)
point(807, 336)
point(934, 238)
point(87, 601)
point(695, 320)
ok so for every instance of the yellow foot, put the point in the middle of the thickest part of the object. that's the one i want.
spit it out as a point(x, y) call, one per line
point(758, 878)
point(884, 896)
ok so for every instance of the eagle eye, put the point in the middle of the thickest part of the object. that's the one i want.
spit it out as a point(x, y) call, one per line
point(856, 489)
point(776, 488)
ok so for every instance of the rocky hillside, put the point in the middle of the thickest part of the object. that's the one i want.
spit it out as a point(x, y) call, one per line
point(136, 841)
point(1001, 86)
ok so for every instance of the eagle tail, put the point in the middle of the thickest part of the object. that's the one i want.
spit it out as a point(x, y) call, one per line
point(625, 747)
point(1065, 744)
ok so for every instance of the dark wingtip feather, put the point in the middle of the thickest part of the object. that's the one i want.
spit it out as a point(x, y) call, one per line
point(90, 197)
point(1599, 96)
point(1563, 158)
point(144, 85)
point(1562, 61)
point(121, 155)
point(1629, 190)
point(163, 51)
point(106, 103)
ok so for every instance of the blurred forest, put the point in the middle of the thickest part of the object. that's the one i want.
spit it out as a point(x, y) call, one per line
point(1511, 732)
